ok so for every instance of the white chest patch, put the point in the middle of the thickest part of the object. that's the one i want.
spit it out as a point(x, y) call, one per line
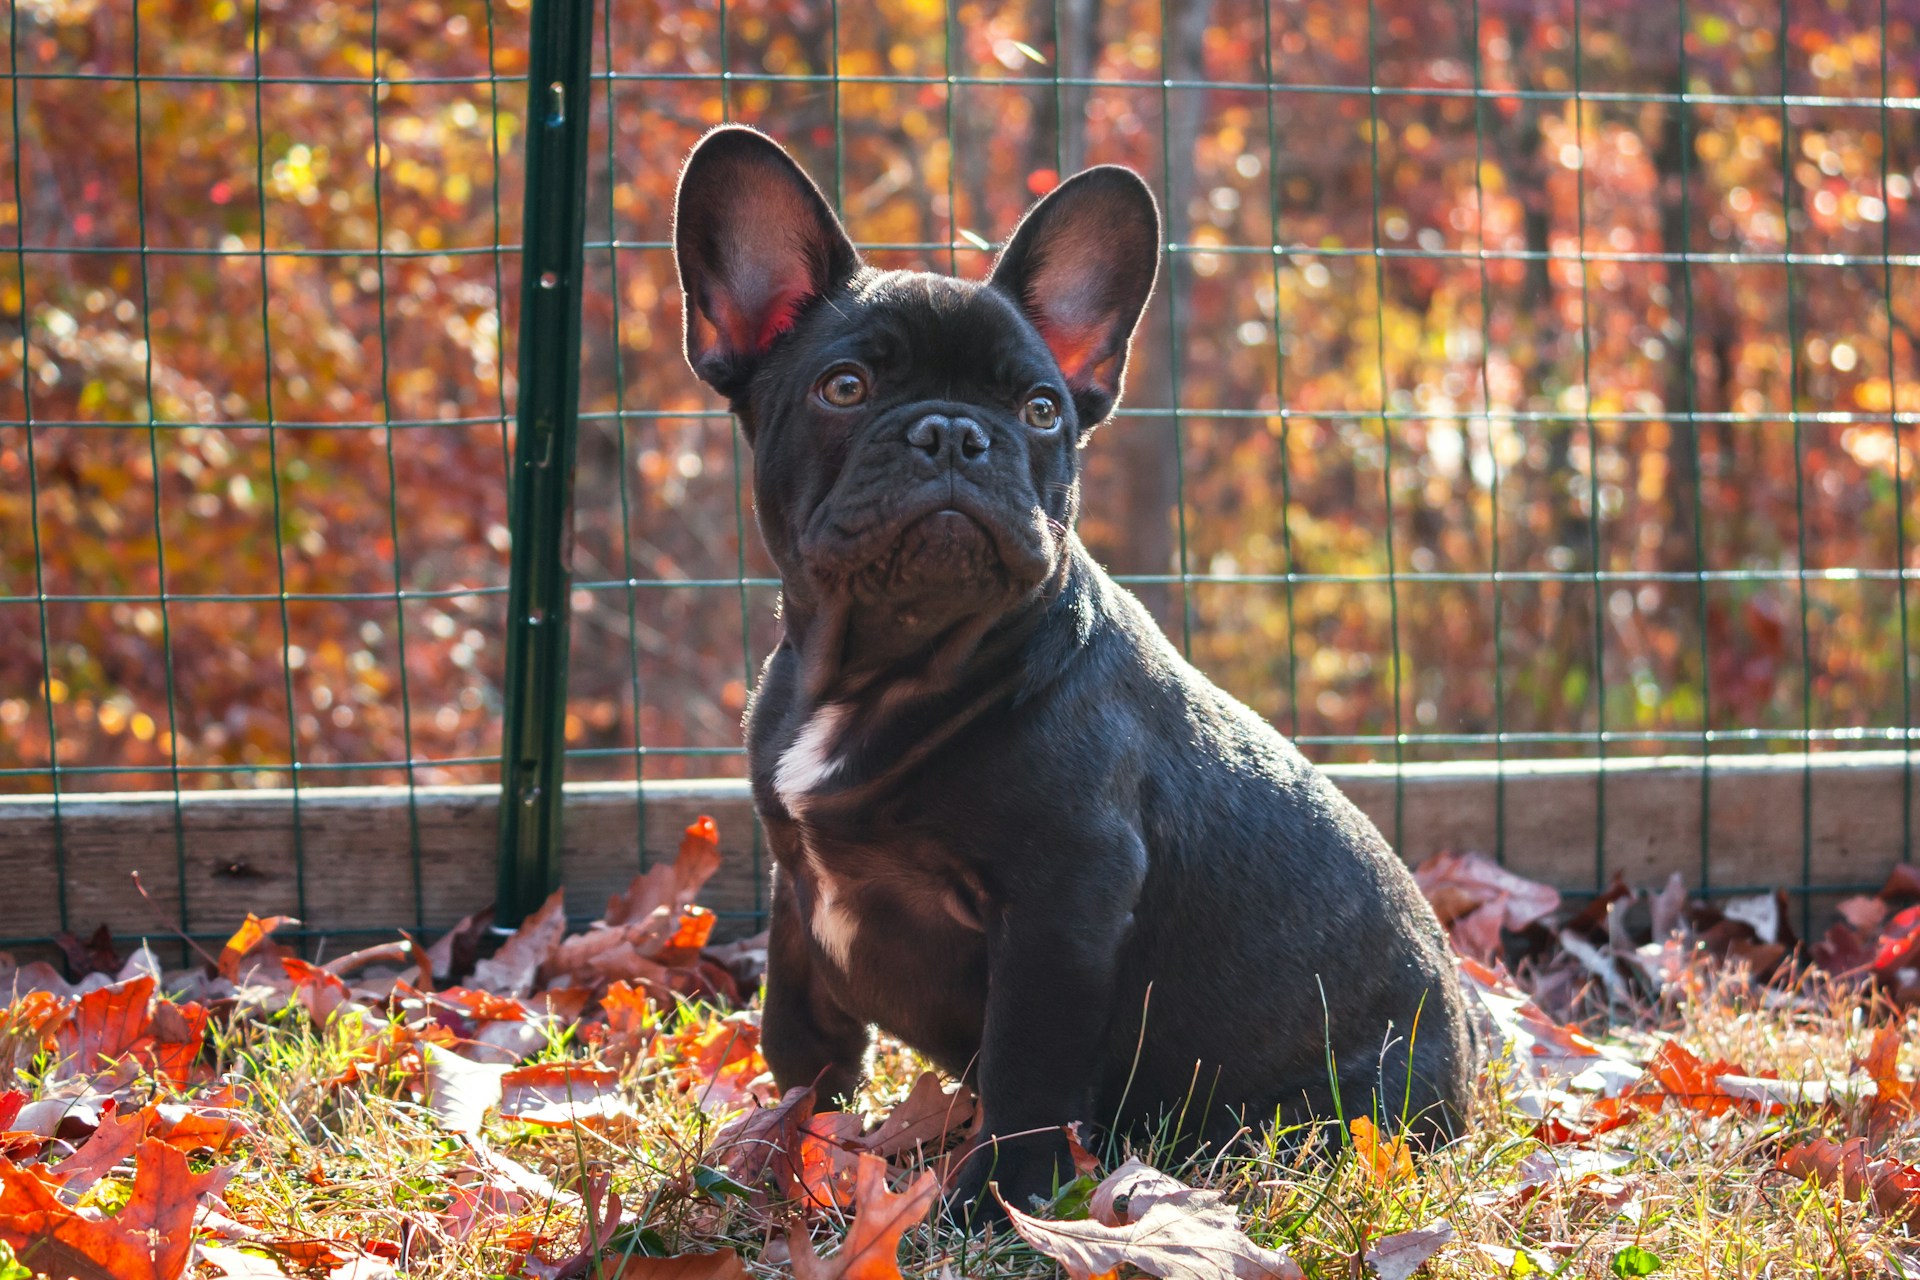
point(833, 924)
point(809, 762)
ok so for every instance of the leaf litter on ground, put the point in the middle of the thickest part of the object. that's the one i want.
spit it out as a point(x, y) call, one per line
point(594, 1103)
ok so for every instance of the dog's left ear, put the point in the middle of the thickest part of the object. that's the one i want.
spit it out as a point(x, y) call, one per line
point(1081, 265)
point(756, 244)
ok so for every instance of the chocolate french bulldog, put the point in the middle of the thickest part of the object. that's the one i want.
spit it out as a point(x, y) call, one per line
point(1011, 825)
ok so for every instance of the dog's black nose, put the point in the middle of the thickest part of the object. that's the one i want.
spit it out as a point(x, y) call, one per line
point(937, 434)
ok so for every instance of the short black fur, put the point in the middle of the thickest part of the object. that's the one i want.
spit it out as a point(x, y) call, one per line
point(1011, 825)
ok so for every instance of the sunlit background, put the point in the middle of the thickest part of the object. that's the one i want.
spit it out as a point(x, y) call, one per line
point(1541, 368)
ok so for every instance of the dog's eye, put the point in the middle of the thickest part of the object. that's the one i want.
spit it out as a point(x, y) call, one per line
point(843, 389)
point(1041, 413)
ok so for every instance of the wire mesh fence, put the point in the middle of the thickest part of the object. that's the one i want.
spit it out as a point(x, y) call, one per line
point(1525, 379)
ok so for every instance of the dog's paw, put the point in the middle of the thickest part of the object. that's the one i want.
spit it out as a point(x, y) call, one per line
point(1026, 1171)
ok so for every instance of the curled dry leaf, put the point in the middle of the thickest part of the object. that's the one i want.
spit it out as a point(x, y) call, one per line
point(668, 889)
point(880, 1217)
point(1147, 1220)
point(510, 971)
point(319, 991)
point(1895, 1186)
point(929, 1115)
point(754, 1145)
point(1398, 1256)
point(247, 941)
point(1476, 898)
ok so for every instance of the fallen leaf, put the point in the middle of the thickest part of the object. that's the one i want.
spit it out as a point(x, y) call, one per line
point(114, 1140)
point(453, 956)
point(459, 1090)
point(1398, 1256)
point(208, 1124)
point(1385, 1159)
point(95, 955)
point(1677, 1073)
point(250, 937)
point(924, 1120)
point(237, 1265)
point(718, 1059)
point(1539, 1047)
point(1460, 885)
point(151, 1238)
point(1893, 1097)
point(880, 1217)
point(670, 887)
point(723, 1265)
point(1863, 913)
point(1895, 1186)
point(1085, 1163)
point(558, 1094)
point(1147, 1220)
point(320, 992)
point(749, 1146)
point(510, 971)
point(1897, 942)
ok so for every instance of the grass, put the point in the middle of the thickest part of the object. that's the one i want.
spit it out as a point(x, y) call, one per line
point(1698, 1192)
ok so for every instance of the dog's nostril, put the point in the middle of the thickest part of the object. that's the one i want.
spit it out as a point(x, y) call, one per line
point(973, 439)
point(929, 434)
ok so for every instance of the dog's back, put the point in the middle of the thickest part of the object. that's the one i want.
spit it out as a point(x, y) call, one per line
point(1281, 952)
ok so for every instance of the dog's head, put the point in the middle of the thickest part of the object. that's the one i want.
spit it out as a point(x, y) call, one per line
point(915, 436)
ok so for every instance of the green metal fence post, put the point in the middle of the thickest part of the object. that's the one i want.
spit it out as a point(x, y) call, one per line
point(532, 766)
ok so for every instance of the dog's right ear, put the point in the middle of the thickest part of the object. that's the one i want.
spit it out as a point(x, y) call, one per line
point(756, 243)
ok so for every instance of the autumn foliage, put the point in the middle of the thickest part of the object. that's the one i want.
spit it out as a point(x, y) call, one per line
point(1427, 383)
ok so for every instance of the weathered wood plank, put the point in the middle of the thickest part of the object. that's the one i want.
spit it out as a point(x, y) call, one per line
point(348, 863)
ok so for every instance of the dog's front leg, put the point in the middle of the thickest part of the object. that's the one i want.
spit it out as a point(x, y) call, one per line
point(1053, 954)
point(805, 1034)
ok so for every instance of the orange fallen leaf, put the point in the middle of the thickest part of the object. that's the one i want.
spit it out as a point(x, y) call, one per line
point(1893, 1097)
point(122, 1026)
point(670, 886)
point(320, 992)
point(251, 936)
point(113, 1141)
point(872, 1247)
point(716, 1058)
point(1677, 1073)
point(765, 1144)
point(1385, 1159)
point(151, 1238)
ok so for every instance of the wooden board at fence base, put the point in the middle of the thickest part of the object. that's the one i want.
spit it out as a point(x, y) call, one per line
point(378, 858)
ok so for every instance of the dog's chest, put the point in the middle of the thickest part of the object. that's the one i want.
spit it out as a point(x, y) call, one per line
point(867, 881)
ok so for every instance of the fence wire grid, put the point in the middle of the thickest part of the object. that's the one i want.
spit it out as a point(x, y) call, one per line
point(1524, 380)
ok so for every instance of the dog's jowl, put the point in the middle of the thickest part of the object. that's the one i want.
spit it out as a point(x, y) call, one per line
point(1012, 826)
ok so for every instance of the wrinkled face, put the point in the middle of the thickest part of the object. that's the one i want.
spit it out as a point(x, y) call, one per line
point(915, 436)
point(914, 448)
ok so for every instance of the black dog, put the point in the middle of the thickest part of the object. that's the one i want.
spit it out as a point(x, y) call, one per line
point(1012, 826)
